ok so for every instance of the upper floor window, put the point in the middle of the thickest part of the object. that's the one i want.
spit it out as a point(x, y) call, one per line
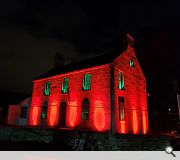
point(65, 87)
point(47, 88)
point(121, 81)
point(87, 82)
point(131, 63)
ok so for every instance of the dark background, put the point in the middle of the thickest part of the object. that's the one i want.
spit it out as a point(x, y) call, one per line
point(33, 31)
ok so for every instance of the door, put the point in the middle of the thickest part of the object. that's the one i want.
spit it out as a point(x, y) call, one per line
point(62, 114)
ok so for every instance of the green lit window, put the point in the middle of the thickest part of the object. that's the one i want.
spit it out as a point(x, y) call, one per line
point(44, 112)
point(131, 63)
point(65, 87)
point(47, 88)
point(121, 81)
point(87, 82)
point(121, 108)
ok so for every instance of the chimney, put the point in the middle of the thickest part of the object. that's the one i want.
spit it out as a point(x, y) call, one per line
point(130, 40)
point(59, 59)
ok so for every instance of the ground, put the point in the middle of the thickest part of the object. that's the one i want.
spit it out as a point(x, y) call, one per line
point(39, 139)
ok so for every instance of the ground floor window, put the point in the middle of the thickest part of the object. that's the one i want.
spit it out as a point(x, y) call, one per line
point(85, 109)
point(121, 108)
point(44, 112)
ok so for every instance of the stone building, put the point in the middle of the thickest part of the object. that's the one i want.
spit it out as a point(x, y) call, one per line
point(104, 93)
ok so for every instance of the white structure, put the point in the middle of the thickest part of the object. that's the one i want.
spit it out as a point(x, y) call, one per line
point(18, 114)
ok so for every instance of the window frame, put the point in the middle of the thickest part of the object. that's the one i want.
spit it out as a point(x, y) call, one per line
point(85, 110)
point(121, 108)
point(42, 118)
point(131, 63)
point(86, 82)
point(121, 83)
point(65, 80)
point(47, 88)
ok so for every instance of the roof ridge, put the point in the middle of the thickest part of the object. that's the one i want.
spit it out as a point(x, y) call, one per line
point(105, 58)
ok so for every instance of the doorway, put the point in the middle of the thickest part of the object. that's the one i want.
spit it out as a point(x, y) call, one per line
point(62, 114)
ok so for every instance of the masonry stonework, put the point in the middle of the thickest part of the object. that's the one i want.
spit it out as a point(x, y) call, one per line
point(101, 95)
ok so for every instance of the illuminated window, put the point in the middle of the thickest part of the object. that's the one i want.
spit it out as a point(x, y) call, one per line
point(23, 112)
point(85, 109)
point(44, 112)
point(47, 88)
point(65, 87)
point(121, 81)
point(87, 82)
point(131, 63)
point(121, 108)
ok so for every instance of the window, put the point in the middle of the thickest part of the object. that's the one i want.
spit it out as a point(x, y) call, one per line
point(121, 108)
point(65, 87)
point(87, 82)
point(121, 81)
point(85, 109)
point(131, 63)
point(44, 112)
point(47, 88)
point(23, 112)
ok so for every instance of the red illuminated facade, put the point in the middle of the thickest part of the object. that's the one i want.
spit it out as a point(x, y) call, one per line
point(109, 96)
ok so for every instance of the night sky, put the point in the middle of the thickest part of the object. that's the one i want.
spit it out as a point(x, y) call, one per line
point(33, 31)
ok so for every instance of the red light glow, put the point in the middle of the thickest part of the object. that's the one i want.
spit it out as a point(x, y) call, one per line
point(99, 119)
point(135, 122)
point(123, 127)
point(99, 97)
point(144, 122)
point(73, 113)
point(133, 93)
point(35, 111)
point(53, 113)
point(99, 116)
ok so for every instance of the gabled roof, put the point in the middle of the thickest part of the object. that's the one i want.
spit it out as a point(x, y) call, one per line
point(95, 61)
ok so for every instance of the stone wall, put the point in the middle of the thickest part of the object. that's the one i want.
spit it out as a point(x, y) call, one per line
point(98, 96)
point(135, 119)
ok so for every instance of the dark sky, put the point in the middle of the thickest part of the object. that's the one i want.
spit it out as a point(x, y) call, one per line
point(32, 31)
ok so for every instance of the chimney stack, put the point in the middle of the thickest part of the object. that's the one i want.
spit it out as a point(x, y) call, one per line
point(130, 40)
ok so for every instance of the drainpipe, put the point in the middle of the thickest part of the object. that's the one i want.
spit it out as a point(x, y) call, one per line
point(112, 98)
